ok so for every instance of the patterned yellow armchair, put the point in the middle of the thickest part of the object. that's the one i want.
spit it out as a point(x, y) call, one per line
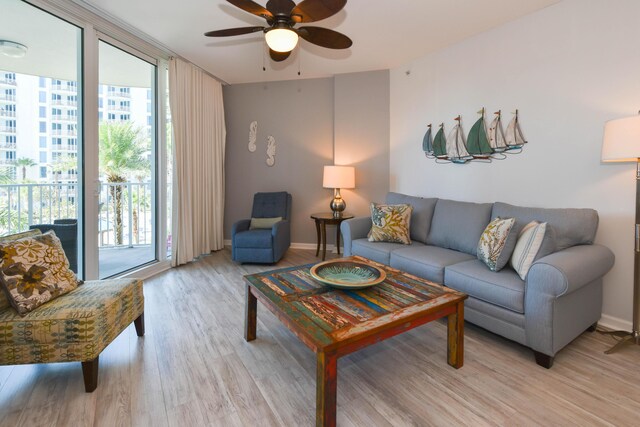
point(74, 327)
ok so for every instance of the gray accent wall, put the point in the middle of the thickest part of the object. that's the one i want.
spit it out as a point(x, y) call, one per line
point(362, 135)
point(311, 120)
point(299, 115)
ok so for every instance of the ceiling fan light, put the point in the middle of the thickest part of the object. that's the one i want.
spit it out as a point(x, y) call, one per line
point(12, 49)
point(281, 39)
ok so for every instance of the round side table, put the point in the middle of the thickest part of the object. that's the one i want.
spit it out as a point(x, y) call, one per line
point(322, 219)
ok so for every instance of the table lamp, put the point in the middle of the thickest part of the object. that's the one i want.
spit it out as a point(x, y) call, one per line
point(621, 143)
point(338, 177)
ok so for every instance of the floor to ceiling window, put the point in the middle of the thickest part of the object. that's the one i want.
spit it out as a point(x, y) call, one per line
point(40, 121)
point(127, 130)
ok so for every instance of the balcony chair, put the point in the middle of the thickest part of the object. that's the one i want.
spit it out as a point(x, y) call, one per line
point(263, 245)
point(67, 232)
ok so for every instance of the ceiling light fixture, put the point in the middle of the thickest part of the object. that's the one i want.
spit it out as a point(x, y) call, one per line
point(281, 39)
point(12, 49)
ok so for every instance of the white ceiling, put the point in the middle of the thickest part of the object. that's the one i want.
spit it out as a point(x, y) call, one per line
point(385, 34)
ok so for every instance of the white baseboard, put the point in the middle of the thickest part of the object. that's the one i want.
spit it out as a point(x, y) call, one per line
point(306, 246)
point(615, 323)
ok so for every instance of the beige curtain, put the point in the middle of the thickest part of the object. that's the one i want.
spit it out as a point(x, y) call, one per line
point(197, 115)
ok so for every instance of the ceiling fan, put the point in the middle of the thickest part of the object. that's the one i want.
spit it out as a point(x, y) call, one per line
point(282, 16)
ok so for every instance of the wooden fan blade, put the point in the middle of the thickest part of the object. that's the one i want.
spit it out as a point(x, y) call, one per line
point(252, 7)
point(316, 10)
point(278, 56)
point(324, 37)
point(280, 7)
point(233, 31)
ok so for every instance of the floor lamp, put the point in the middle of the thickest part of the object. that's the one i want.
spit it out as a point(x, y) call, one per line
point(621, 143)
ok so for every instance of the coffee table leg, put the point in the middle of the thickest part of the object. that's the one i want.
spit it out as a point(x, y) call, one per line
point(326, 389)
point(455, 337)
point(250, 315)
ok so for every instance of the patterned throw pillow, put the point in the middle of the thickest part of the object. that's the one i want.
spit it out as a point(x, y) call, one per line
point(497, 242)
point(390, 223)
point(527, 247)
point(9, 238)
point(34, 270)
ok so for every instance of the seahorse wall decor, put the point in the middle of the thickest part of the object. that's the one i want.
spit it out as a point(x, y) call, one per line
point(271, 151)
point(253, 133)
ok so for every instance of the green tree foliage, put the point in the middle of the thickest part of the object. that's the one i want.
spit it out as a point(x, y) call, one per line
point(123, 154)
point(24, 163)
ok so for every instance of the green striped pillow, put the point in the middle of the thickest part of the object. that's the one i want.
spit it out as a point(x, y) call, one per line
point(527, 247)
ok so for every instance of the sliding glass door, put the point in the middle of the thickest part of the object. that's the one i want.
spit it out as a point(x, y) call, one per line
point(127, 172)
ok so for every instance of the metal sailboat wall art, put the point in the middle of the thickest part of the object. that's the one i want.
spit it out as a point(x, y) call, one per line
point(513, 136)
point(456, 144)
point(481, 145)
point(478, 140)
point(427, 143)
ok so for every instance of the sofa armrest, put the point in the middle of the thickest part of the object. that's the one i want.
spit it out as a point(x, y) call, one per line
point(238, 226)
point(567, 270)
point(352, 229)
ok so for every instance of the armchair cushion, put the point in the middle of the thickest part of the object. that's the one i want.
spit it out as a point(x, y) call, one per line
point(263, 222)
point(257, 238)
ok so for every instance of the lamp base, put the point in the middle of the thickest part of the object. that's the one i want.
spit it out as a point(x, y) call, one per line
point(624, 338)
point(338, 204)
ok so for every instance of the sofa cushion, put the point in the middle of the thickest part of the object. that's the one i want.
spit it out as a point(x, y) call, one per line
point(571, 226)
point(427, 262)
point(458, 225)
point(390, 223)
point(497, 243)
point(378, 251)
point(421, 215)
point(257, 238)
point(503, 288)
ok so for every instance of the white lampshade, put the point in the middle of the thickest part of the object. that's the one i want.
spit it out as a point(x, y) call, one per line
point(281, 39)
point(339, 177)
point(621, 142)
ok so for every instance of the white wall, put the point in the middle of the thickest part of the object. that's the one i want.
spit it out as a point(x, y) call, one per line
point(568, 69)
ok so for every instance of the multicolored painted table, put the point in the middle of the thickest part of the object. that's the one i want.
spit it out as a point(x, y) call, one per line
point(334, 323)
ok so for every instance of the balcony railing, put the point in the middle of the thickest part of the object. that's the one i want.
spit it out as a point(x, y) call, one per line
point(7, 81)
point(64, 117)
point(64, 102)
point(125, 215)
point(9, 129)
point(5, 97)
point(117, 93)
point(8, 145)
point(4, 113)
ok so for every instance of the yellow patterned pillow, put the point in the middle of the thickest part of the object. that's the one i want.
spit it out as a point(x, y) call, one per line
point(34, 270)
point(497, 242)
point(10, 238)
point(390, 223)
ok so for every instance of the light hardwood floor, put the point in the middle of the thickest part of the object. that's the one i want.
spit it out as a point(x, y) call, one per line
point(194, 368)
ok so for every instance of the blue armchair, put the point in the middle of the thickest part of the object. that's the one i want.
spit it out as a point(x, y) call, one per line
point(263, 245)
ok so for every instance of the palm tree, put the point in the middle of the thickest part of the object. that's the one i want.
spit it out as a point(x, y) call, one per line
point(24, 163)
point(122, 153)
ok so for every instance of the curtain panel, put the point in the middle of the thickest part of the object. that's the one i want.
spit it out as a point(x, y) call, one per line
point(199, 134)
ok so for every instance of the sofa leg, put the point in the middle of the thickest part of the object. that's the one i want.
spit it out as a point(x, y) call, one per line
point(90, 374)
point(139, 324)
point(543, 360)
point(593, 327)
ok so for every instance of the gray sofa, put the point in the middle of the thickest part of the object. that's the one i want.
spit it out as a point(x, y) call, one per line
point(560, 298)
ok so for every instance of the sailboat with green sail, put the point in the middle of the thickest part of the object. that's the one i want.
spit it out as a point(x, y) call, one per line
point(456, 145)
point(513, 136)
point(427, 143)
point(478, 142)
point(440, 144)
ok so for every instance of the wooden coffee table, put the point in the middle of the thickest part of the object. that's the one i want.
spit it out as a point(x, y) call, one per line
point(334, 323)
